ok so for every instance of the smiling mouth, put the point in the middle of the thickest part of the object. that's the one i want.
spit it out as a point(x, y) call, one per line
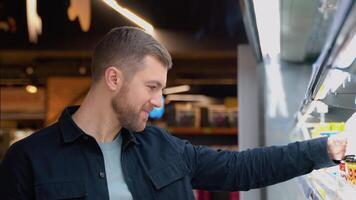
point(146, 112)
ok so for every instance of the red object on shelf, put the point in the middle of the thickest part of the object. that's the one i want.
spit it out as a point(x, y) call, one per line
point(234, 196)
point(203, 195)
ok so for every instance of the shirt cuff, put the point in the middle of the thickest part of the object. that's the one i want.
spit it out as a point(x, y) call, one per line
point(320, 153)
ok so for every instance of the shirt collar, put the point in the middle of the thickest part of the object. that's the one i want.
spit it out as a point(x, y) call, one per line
point(128, 137)
point(71, 132)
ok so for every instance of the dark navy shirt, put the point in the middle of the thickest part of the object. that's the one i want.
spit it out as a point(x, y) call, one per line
point(63, 162)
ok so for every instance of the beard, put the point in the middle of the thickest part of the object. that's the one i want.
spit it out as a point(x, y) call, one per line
point(127, 115)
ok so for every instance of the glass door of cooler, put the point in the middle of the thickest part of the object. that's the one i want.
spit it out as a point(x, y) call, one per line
point(330, 107)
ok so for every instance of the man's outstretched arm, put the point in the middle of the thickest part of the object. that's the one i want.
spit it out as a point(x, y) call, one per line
point(254, 168)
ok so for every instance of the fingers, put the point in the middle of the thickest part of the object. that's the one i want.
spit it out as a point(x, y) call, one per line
point(337, 147)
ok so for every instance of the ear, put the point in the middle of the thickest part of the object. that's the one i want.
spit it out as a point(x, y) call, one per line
point(113, 78)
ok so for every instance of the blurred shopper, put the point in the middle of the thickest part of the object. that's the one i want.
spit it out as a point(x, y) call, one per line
point(104, 149)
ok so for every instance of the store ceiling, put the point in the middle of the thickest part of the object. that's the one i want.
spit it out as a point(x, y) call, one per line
point(198, 21)
point(205, 36)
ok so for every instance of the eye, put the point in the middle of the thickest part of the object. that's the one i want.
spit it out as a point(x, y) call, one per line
point(152, 87)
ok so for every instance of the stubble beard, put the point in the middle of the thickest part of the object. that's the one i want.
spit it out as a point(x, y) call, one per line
point(126, 113)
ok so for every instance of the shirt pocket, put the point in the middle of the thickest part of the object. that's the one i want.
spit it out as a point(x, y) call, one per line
point(171, 182)
point(61, 190)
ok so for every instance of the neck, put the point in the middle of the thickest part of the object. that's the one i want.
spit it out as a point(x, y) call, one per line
point(96, 117)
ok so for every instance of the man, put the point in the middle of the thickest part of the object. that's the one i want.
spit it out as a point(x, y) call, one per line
point(104, 150)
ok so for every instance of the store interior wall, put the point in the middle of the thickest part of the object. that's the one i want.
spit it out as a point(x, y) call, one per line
point(250, 130)
point(279, 125)
point(270, 95)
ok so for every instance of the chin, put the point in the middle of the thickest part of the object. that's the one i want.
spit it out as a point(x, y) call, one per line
point(140, 127)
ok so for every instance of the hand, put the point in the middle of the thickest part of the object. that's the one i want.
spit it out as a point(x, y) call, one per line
point(337, 146)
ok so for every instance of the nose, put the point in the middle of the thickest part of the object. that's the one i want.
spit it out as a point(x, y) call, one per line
point(157, 100)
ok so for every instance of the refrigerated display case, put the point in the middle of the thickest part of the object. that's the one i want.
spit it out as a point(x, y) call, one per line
point(306, 76)
point(330, 107)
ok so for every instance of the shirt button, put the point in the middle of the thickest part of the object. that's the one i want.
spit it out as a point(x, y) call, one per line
point(101, 174)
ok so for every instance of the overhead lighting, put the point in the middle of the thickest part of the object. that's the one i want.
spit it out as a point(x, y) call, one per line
point(176, 89)
point(82, 70)
point(277, 104)
point(268, 26)
point(80, 10)
point(31, 89)
point(189, 97)
point(34, 22)
point(29, 70)
point(130, 15)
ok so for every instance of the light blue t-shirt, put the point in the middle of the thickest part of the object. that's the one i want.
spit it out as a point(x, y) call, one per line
point(117, 186)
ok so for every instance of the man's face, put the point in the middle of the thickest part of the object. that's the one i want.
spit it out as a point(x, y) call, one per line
point(138, 97)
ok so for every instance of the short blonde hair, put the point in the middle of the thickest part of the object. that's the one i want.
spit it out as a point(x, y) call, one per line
point(125, 47)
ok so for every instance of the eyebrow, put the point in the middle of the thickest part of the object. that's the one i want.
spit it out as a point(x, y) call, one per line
point(157, 83)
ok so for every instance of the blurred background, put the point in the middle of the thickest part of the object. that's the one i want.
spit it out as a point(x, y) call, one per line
point(245, 73)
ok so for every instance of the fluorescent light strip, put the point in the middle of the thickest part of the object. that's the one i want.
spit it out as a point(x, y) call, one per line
point(130, 15)
point(268, 25)
point(188, 97)
point(277, 104)
point(176, 89)
point(34, 22)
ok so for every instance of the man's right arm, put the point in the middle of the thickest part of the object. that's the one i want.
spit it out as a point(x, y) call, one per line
point(16, 178)
point(255, 168)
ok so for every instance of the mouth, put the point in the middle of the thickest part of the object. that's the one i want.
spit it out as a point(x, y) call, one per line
point(147, 112)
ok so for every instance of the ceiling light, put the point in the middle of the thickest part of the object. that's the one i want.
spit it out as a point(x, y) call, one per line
point(176, 89)
point(29, 70)
point(82, 70)
point(130, 15)
point(277, 103)
point(31, 89)
point(189, 97)
point(268, 26)
point(34, 22)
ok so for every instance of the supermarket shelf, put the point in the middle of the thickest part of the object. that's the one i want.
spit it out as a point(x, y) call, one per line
point(327, 184)
point(334, 186)
point(308, 189)
point(202, 131)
